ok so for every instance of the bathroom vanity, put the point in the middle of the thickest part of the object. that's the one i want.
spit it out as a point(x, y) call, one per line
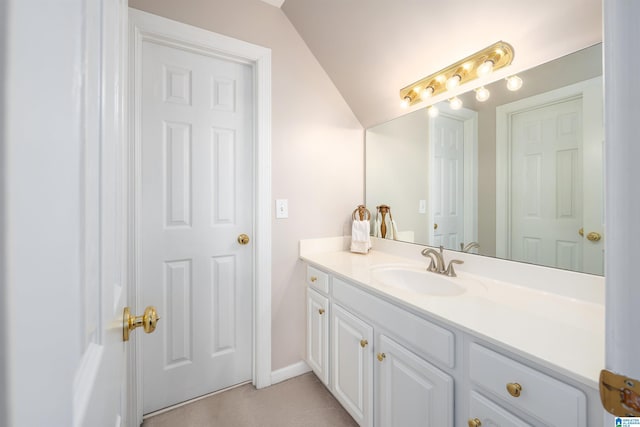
point(503, 344)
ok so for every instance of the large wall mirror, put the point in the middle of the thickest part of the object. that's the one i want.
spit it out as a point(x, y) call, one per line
point(520, 174)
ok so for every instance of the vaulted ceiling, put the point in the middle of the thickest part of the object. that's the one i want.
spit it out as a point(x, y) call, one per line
point(372, 48)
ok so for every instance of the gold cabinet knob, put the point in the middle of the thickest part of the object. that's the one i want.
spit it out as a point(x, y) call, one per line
point(243, 239)
point(474, 422)
point(148, 321)
point(435, 226)
point(514, 389)
point(381, 357)
point(321, 311)
point(594, 237)
point(313, 279)
point(363, 343)
point(581, 232)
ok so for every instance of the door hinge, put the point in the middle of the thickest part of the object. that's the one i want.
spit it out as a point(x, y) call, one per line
point(620, 395)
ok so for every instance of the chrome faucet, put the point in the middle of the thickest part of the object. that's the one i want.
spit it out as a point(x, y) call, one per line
point(437, 262)
point(469, 246)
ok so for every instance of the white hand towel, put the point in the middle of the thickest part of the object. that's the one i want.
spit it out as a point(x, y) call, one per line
point(360, 239)
point(392, 228)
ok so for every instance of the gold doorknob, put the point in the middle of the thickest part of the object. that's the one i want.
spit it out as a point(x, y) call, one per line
point(474, 422)
point(321, 311)
point(514, 389)
point(243, 239)
point(594, 237)
point(363, 343)
point(148, 321)
point(381, 357)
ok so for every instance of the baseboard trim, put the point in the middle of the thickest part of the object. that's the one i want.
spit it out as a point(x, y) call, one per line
point(289, 372)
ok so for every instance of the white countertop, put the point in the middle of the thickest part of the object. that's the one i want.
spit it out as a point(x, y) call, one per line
point(563, 333)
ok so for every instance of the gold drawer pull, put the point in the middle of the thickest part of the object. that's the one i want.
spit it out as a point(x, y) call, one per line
point(321, 311)
point(313, 279)
point(514, 389)
point(381, 357)
point(474, 422)
point(363, 343)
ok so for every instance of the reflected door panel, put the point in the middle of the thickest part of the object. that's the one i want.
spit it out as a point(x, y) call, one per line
point(447, 181)
point(546, 185)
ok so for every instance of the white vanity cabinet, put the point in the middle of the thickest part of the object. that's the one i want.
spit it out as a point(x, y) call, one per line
point(392, 366)
point(409, 390)
point(352, 364)
point(522, 389)
point(318, 334)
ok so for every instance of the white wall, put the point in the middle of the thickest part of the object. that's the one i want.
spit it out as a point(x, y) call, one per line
point(317, 149)
point(397, 158)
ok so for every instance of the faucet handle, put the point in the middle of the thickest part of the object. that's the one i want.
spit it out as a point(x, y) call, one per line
point(432, 266)
point(450, 271)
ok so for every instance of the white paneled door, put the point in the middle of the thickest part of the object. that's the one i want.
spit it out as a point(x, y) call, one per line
point(196, 192)
point(447, 182)
point(546, 185)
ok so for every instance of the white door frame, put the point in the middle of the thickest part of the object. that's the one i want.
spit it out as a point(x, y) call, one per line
point(148, 27)
point(503, 154)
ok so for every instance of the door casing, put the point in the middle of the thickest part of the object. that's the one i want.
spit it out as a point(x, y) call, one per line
point(144, 26)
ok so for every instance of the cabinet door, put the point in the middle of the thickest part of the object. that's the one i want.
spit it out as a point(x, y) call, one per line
point(318, 334)
point(352, 369)
point(410, 391)
point(491, 415)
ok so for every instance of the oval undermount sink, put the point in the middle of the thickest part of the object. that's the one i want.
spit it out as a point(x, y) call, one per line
point(417, 280)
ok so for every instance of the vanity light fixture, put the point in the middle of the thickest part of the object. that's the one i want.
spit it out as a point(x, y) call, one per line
point(480, 64)
point(514, 83)
point(482, 94)
point(433, 111)
point(455, 103)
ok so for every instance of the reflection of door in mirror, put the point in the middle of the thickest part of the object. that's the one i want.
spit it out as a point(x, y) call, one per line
point(553, 193)
point(452, 182)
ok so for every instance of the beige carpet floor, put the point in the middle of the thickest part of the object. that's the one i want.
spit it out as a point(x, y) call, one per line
point(299, 402)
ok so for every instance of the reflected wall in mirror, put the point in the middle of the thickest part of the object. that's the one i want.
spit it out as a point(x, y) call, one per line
point(520, 174)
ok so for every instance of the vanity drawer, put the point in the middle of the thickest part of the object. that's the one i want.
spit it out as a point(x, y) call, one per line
point(428, 340)
point(542, 397)
point(318, 279)
point(491, 414)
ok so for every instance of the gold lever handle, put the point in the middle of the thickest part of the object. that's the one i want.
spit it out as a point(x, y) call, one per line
point(363, 343)
point(514, 389)
point(243, 239)
point(148, 321)
point(321, 311)
point(594, 237)
point(381, 357)
point(474, 422)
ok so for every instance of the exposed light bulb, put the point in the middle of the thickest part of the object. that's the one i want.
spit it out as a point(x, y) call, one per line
point(417, 90)
point(433, 111)
point(485, 69)
point(455, 103)
point(453, 82)
point(427, 92)
point(514, 83)
point(482, 94)
point(405, 102)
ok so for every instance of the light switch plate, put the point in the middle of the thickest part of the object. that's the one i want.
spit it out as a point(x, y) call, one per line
point(282, 208)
